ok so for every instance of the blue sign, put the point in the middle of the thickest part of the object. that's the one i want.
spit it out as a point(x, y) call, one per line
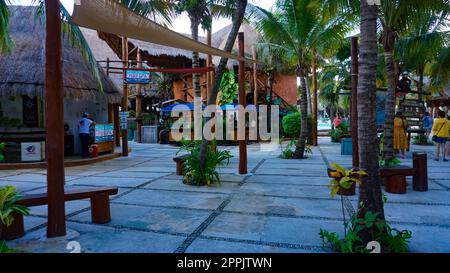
point(137, 77)
point(104, 133)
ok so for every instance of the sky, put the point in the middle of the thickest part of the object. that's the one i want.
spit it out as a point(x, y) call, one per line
point(180, 24)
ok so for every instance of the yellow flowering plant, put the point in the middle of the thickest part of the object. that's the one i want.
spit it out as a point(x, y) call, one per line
point(343, 179)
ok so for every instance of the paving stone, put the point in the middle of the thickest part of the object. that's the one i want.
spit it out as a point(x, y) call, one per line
point(109, 181)
point(194, 200)
point(150, 218)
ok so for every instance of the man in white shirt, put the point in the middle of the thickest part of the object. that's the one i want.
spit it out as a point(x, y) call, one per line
point(83, 130)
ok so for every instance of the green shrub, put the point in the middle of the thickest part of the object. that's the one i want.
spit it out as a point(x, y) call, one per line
point(291, 125)
point(339, 132)
point(194, 174)
point(288, 151)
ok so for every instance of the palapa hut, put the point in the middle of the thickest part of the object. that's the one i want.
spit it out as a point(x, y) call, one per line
point(22, 85)
point(440, 101)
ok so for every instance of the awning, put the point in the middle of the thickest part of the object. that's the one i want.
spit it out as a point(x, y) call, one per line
point(112, 17)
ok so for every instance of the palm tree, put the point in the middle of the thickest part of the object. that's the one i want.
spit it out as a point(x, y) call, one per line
point(238, 8)
point(395, 17)
point(421, 45)
point(370, 190)
point(298, 29)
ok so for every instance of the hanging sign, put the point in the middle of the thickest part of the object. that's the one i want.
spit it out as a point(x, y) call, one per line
point(123, 116)
point(137, 77)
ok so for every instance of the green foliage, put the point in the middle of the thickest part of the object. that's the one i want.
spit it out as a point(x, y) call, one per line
point(6, 43)
point(391, 240)
point(2, 149)
point(228, 88)
point(393, 162)
point(422, 140)
point(288, 151)
point(339, 132)
point(4, 248)
point(343, 179)
point(291, 125)
point(194, 174)
point(8, 200)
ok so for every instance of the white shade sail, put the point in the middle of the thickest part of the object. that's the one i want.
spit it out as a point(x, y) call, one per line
point(112, 17)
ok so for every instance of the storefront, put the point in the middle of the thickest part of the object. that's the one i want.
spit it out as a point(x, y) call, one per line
point(22, 108)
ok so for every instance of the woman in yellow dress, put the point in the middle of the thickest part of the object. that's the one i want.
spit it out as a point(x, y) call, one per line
point(400, 138)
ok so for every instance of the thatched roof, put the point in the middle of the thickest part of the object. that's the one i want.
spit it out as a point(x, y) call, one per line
point(23, 71)
point(156, 55)
point(219, 39)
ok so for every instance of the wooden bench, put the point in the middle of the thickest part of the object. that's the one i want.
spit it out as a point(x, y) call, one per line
point(100, 209)
point(179, 160)
point(396, 178)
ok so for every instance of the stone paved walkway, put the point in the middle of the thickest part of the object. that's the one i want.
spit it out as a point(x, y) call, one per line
point(279, 208)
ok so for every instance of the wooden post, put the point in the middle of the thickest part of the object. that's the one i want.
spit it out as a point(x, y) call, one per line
point(125, 94)
point(139, 102)
point(116, 124)
point(255, 78)
point(315, 141)
point(354, 104)
point(209, 77)
point(110, 113)
point(241, 82)
point(54, 121)
point(107, 66)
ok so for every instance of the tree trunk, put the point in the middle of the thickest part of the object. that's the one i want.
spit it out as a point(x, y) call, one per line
point(238, 16)
point(370, 190)
point(301, 144)
point(388, 38)
point(195, 60)
point(308, 96)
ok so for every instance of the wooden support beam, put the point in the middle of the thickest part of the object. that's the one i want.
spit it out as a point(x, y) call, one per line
point(208, 63)
point(241, 82)
point(54, 121)
point(125, 95)
point(315, 140)
point(255, 78)
point(354, 103)
point(139, 102)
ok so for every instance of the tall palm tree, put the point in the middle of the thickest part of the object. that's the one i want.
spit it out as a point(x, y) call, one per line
point(370, 190)
point(298, 29)
point(395, 16)
point(237, 8)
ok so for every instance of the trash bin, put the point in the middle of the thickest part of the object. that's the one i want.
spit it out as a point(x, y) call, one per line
point(346, 146)
point(93, 150)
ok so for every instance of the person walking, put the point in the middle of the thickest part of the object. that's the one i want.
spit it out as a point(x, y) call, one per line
point(448, 139)
point(400, 138)
point(441, 134)
point(427, 123)
point(83, 131)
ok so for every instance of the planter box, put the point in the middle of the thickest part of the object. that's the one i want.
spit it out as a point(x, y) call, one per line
point(346, 146)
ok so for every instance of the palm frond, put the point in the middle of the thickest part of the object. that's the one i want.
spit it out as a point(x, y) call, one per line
point(6, 42)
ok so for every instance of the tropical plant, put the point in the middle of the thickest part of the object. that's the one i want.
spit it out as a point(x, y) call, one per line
point(392, 162)
point(8, 204)
point(238, 11)
point(292, 126)
point(289, 151)
point(422, 140)
point(2, 150)
point(194, 172)
point(6, 43)
point(228, 88)
point(390, 239)
point(395, 18)
point(339, 132)
point(299, 31)
point(343, 179)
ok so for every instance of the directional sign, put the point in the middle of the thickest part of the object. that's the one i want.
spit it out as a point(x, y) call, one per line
point(123, 120)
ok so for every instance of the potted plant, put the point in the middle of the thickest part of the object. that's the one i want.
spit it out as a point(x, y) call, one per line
point(8, 206)
point(344, 181)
